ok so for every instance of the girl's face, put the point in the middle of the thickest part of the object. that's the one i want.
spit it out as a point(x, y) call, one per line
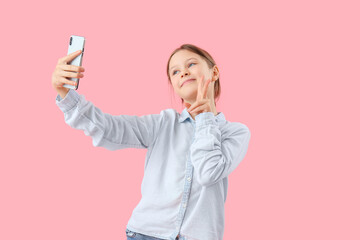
point(186, 65)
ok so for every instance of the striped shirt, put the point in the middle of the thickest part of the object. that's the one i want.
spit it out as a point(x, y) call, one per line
point(187, 164)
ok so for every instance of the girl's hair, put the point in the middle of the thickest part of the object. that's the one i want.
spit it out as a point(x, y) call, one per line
point(206, 56)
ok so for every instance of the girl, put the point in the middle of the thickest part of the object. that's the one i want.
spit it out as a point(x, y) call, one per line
point(190, 155)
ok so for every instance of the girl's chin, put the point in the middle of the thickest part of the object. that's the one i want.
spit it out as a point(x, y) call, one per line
point(189, 98)
point(189, 94)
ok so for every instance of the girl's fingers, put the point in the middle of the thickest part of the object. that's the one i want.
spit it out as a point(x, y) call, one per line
point(199, 93)
point(202, 90)
point(206, 88)
point(196, 104)
point(195, 110)
point(71, 74)
point(69, 57)
point(199, 108)
point(72, 68)
point(66, 81)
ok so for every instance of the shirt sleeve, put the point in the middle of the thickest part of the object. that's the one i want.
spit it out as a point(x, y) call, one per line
point(112, 132)
point(215, 158)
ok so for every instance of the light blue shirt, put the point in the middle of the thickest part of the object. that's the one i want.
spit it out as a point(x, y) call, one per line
point(186, 168)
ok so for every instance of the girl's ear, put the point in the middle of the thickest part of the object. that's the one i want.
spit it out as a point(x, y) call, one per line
point(215, 73)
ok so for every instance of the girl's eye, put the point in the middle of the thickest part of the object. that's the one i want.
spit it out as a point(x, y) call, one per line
point(189, 66)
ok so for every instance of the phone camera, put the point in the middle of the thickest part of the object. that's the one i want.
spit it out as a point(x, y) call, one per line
point(70, 40)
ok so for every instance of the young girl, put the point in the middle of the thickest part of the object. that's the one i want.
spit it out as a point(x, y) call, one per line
point(190, 155)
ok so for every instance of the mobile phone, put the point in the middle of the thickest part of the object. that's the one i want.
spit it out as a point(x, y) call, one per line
point(76, 43)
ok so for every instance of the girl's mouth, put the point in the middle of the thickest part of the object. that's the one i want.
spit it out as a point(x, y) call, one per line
point(187, 81)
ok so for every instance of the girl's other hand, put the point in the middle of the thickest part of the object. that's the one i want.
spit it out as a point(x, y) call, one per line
point(202, 103)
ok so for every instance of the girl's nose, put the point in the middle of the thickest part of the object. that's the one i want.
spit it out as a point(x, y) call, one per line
point(186, 74)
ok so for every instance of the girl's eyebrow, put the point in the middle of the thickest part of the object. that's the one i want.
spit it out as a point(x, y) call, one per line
point(185, 61)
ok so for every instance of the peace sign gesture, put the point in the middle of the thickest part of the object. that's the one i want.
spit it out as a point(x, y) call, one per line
point(202, 103)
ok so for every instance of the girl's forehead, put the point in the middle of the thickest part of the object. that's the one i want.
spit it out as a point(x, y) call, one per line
point(182, 56)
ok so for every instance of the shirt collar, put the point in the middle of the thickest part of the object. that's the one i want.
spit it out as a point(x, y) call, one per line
point(185, 115)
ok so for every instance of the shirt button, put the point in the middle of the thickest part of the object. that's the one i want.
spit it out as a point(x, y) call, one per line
point(184, 205)
point(189, 179)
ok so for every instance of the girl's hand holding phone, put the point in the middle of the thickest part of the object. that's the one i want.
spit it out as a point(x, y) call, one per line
point(63, 71)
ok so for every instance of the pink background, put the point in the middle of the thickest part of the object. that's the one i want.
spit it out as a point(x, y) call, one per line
point(289, 71)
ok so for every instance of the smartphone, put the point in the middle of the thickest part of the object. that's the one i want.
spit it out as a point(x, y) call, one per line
point(76, 43)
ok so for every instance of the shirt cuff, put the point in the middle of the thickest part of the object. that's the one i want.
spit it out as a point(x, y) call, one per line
point(205, 118)
point(69, 101)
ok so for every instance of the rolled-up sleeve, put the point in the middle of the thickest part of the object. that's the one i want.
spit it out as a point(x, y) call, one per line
point(112, 132)
point(213, 156)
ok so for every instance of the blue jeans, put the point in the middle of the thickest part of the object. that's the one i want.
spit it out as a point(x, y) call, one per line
point(130, 235)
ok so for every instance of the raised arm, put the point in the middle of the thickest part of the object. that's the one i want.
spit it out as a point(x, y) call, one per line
point(112, 132)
